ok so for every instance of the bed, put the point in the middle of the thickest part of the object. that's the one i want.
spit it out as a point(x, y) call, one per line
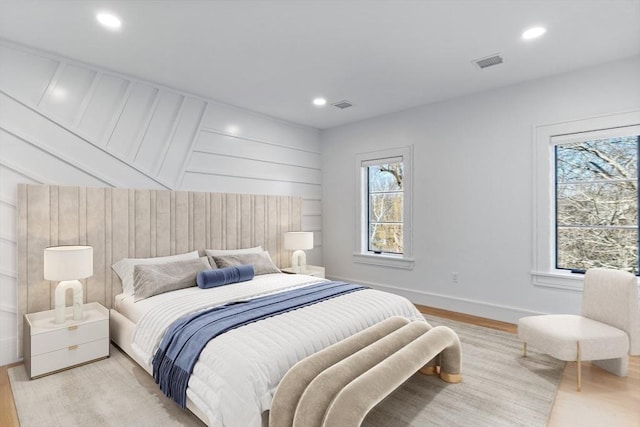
point(236, 375)
point(237, 372)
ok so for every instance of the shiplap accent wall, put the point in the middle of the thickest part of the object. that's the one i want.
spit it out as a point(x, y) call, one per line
point(68, 123)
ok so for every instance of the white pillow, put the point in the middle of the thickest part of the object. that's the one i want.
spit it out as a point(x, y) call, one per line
point(124, 268)
point(225, 252)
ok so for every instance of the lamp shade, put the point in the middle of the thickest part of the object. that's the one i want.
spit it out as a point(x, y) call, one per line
point(296, 240)
point(68, 262)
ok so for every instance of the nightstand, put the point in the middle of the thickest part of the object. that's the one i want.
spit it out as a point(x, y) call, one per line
point(312, 270)
point(50, 347)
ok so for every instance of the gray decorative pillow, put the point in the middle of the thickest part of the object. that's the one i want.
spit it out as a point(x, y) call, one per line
point(124, 268)
point(262, 263)
point(154, 279)
point(226, 252)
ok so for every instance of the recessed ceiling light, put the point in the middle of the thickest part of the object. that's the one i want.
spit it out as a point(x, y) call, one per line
point(533, 33)
point(319, 102)
point(109, 20)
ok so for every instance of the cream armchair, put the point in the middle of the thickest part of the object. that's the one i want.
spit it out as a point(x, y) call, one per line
point(606, 333)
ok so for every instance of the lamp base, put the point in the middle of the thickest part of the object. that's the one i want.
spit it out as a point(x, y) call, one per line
point(60, 305)
point(299, 261)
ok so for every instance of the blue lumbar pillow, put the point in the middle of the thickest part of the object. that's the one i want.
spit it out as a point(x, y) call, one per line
point(224, 276)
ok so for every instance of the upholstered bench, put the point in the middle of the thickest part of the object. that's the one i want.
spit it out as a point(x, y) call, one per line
point(339, 385)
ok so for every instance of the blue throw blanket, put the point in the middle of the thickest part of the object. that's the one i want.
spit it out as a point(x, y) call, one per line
point(186, 337)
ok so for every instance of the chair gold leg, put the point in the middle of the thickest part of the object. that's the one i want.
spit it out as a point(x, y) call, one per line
point(524, 349)
point(579, 367)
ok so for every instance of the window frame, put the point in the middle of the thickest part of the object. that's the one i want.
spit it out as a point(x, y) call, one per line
point(361, 250)
point(546, 137)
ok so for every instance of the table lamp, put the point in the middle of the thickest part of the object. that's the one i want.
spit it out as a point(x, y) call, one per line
point(68, 264)
point(297, 241)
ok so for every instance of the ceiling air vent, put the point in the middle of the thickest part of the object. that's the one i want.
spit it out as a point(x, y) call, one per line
point(343, 104)
point(488, 61)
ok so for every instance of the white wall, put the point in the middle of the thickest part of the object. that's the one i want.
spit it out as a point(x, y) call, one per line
point(473, 195)
point(68, 123)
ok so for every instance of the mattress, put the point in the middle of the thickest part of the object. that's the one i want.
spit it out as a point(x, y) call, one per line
point(237, 373)
point(260, 285)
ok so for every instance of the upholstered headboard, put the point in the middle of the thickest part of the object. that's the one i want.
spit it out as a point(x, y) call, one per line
point(125, 223)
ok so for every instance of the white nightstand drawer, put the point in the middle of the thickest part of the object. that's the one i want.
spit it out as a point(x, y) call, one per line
point(69, 336)
point(68, 357)
point(50, 346)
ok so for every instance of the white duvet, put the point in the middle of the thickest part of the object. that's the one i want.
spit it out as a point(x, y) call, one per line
point(237, 373)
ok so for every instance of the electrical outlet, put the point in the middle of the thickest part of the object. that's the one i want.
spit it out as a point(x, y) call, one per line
point(454, 277)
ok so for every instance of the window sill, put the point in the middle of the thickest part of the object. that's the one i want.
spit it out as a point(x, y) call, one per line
point(558, 280)
point(561, 280)
point(392, 261)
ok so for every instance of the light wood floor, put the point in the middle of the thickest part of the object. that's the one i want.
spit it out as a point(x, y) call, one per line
point(605, 400)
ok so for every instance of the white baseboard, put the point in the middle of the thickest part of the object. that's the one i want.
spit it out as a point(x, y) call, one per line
point(8, 351)
point(446, 302)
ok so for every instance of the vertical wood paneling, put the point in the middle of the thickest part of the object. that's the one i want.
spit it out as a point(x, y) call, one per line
point(216, 235)
point(163, 223)
point(142, 221)
point(199, 220)
point(207, 220)
point(38, 226)
point(119, 236)
point(68, 216)
point(272, 226)
point(121, 223)
point(231, 221)
point(259, 223)
point(54, 222)
point(246, 220)
point(108, 248)
point(182, 222)
point(172, 222)
point(131, 221)
point(153, 235)
point(96, 213)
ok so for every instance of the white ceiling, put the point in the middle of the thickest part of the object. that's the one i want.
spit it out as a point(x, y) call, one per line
point(274, 56)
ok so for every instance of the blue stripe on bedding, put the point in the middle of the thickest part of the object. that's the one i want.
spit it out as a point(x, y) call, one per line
point(186, 337)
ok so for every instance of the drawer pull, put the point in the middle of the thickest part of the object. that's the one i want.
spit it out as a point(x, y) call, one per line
point(73, 347)
point(72, 328)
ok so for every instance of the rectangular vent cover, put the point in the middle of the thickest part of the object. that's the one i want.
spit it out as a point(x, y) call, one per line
point(343, 104)
point(488, 61)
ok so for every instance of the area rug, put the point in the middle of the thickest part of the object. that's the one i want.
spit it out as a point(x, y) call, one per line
point(499, 388)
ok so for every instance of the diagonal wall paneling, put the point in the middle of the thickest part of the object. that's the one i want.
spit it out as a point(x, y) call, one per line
point(64, 122)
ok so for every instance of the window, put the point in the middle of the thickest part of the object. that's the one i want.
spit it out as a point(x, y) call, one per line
point(597, 204)
point(385, 199)
point(384, 208)
point(586, 198)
